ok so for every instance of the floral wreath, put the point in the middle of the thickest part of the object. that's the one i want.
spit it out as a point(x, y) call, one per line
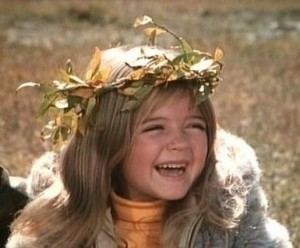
point(69, 100)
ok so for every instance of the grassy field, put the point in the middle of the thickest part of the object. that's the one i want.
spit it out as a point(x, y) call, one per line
point(258, 99)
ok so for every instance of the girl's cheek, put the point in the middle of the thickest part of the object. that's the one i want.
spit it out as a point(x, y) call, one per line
point(155, 139)
point(197, 136)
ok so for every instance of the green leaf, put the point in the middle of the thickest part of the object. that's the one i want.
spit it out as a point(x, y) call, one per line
point(130, 105)
point(185, 46)
point(129, 91)
point(90, 106)
point(143, 91)
point(139, 96)
point(47, 103)
point(189, 58)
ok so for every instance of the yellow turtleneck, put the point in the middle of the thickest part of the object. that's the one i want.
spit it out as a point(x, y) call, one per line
point(137, 223)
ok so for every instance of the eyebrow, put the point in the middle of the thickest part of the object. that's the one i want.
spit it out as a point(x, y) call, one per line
point(153, 119)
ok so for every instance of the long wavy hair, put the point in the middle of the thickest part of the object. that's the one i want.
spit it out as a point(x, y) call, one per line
point(73, 211)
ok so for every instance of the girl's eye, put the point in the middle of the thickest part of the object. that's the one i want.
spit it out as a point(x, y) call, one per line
point(200, 126)
point(152, 128)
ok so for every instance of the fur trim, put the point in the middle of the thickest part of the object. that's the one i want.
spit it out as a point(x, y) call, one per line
point(236, 157)
point(18, 183)
point(236, 172)
point(19, 241)
point(42, 174)
point(237, 160)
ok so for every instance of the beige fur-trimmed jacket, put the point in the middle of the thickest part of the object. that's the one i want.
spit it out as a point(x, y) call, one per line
point(255, 230)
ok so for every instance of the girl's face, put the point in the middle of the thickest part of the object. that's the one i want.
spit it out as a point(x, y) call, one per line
point(168, 152)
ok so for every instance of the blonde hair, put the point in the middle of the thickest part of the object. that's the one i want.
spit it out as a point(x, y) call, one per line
point(72, 213)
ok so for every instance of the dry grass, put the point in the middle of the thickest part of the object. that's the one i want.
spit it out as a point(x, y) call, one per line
point(259, 98)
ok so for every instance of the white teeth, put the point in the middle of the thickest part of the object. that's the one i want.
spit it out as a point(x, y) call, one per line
point(171, 166)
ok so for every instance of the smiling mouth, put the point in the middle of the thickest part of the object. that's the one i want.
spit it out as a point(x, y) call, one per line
point(171, 170)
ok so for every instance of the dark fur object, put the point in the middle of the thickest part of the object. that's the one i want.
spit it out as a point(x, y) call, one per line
point(12, 199)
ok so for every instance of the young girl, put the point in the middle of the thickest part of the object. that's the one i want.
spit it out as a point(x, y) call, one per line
point(144, 167)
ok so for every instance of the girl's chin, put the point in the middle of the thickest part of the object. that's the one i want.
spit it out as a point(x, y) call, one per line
point(172, 196)
point(165, 197)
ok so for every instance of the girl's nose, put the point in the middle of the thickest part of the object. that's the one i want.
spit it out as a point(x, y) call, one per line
point(178, 141)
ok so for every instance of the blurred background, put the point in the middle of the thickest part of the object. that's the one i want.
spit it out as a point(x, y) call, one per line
point(259, 98)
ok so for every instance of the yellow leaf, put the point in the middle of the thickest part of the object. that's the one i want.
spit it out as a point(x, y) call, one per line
point(102, 74)
point(152, 33)
point(129, 91)
point(94, 64)
point(75, 79)
point(106, 72)
point(149, 31)
point(140, 21)
point(137, 74)
point(218, 54)
point(63, 75)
